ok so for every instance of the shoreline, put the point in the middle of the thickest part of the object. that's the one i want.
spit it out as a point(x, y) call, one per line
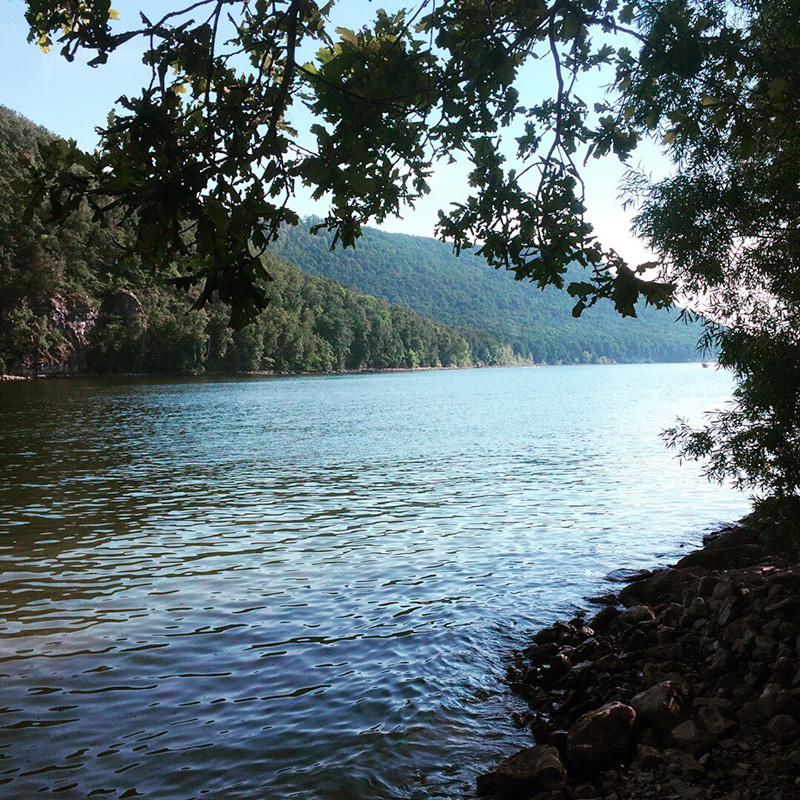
point(685, 684)
point(271, 374)
point(256, 373)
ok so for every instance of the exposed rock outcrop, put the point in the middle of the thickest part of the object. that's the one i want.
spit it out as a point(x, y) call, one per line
point(64, 325)
point(528, 772)
point(125, 305)
point(62, 329)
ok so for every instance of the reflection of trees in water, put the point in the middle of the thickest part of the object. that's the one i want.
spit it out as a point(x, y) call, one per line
point(72, 484)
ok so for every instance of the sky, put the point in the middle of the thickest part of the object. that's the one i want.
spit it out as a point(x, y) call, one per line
point(72, 99)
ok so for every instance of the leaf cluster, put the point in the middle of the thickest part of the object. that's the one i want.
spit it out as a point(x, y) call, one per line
point(205, 161)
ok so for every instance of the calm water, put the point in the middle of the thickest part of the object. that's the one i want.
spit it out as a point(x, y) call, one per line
point(305, 587)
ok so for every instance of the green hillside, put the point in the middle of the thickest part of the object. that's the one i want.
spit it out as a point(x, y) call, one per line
point(73, 301)
point(425, 275)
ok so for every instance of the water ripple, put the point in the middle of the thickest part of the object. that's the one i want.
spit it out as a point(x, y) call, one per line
point(303, 588)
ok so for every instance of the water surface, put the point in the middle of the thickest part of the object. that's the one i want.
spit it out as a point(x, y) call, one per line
point(305, 587)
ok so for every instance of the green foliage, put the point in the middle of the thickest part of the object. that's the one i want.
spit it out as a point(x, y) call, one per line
point(755, 441)
point(725, 224)
point(68, 302)
point(778, 521)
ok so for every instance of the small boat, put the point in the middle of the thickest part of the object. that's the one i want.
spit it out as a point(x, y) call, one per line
point(706, 365)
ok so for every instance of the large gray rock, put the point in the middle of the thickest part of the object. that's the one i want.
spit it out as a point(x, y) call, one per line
point(715, 722)
point(689, 736)
point(526, 773)
point(665, 583)
point(600, 738)
point(662, 706)
point(636, 615)
point(783, 728)
point(736, 547)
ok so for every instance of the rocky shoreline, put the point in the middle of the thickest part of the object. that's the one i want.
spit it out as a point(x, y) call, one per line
point(686, 684)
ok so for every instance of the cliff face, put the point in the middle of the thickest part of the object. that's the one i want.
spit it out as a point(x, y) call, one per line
point(73, 318)
point(57, 333)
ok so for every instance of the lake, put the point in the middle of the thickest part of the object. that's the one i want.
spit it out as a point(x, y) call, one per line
point(308, 587)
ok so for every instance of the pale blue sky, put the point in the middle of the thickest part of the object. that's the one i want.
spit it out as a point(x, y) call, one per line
point(72, 99)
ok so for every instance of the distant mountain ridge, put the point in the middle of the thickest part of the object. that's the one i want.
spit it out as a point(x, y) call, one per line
point(423, 274)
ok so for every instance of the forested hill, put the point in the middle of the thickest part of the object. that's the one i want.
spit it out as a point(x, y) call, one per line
point(72, 301)
point(425, 275)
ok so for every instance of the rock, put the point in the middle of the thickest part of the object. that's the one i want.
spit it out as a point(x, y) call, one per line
point(582, 674)
point(772, 766)
point(707, 585)
point(783, 728)
point(638, 640)
point(722, 661)
point(734, 548)
point(671, 614)
point(125, 305)
point(602, 737)
point(630, 576)
point(715, 722)
point(731, 609)
point(684, 764)
point(788, 610)
point(603, 600)
point(557, 632)
point(540, 653)
point(649, 738)
point(559, 666)
point(636, 615)
point(775, 700)
point(766, 647)
point(540, 727)
point(750, 714)
point(559, 739)
point(699, 608)
point(603, 620)
point(690, 737)
point(669, 583)
point(742, 630)
point(721, 592)
point(788, 631)
point(663, 706)
point(733, 635)
point(73, 318)
point(682, 789)
point(784, 670)
point(585, 792)
point(535, 769)
point(723, 704)
point(648, 758)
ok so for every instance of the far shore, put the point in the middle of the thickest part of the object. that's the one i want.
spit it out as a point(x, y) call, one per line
point(276, 374)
